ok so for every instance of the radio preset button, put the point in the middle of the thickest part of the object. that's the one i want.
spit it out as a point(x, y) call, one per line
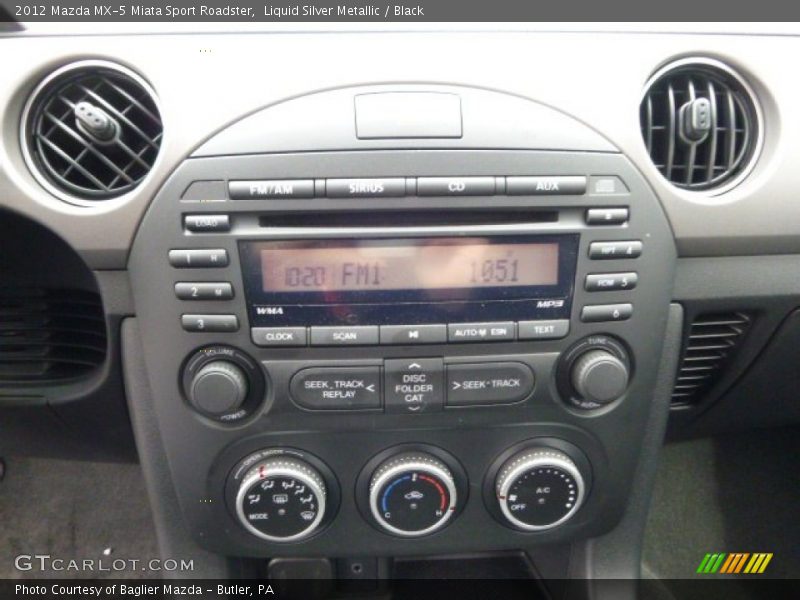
point(278, 336)
point(456, 186)
point(611, 250)
point(210, 323)
point(571, 185)
point(394, 187)
point(610, 282)
point(414, 385)
point(198, 259)
point(480, 332)
point(607, 216)
point(203, 290)
point(488, 383)
point(413, 334)
point(599, 313)
point(543, 330)
point(207, 223)
point(361, 335)
point(337, 388)
point(271, 189)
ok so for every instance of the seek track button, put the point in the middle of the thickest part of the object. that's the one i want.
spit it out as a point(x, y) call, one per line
point(488, 383)
point(414, 385)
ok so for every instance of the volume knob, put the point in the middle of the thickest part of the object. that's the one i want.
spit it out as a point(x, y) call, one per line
point(218, 388)
point(599, 376)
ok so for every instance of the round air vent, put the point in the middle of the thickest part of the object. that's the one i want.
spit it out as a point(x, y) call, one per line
point(701, 125)
point(91, 131)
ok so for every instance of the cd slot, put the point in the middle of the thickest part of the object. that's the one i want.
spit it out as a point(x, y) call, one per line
point(361, 219)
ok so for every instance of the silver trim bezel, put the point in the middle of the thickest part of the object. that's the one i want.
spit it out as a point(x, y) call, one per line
point(275, 468)
point(534, 459)
point(759, 117)
point(412, 463)
point(27, 156)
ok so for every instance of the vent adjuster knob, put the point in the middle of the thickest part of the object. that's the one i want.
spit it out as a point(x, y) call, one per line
point(696, 120)
point(96, 123)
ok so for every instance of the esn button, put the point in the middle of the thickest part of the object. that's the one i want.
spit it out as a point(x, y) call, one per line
point(414, 385)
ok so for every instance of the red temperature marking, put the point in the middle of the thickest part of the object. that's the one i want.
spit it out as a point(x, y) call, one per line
point(438, 486)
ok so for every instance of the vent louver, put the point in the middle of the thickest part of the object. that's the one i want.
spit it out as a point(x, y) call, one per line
point(700, 124)
point(49, 336)
point(92, 131)
point(713, 340)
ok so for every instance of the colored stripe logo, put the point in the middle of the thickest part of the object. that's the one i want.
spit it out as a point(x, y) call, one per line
point(734, 563)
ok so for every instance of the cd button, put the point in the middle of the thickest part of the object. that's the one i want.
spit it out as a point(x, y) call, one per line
point(414, 385)
point(480, 332)
point(456, 186)
point(337, 388)
point(543, 330)
point(606, 312)
point(362, 335)
point(413, 334)
point(278, 336)
point(488, 383)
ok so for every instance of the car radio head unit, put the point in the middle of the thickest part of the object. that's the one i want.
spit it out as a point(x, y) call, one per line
point(408, 280)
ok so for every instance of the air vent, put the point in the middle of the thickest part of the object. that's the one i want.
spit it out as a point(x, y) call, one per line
point(91, 131)
point(713, 340)
point(700, 124)
point(49, 336)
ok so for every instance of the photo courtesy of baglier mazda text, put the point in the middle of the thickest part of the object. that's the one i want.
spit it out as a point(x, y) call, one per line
point(342, 300)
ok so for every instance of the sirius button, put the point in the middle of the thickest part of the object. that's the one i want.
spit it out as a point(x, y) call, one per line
point(366, 188)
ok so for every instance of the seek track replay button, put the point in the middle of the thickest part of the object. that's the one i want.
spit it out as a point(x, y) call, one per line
point(337, 388)
point(414, 385)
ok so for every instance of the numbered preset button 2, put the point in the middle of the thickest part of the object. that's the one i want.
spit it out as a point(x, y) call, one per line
point(196, 290)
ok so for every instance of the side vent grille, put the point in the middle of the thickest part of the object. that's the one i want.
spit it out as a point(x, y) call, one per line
point(92, 131)
point(48, 336)
point(713, 340)
point(699, 123)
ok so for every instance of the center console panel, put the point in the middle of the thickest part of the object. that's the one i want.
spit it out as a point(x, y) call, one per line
point(416, 347)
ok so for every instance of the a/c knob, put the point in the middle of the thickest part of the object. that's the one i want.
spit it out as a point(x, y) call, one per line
point(599, 376)
point(218, 388)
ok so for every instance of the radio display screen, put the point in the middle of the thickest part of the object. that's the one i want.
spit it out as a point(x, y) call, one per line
point(423, 265)
point(422, 270)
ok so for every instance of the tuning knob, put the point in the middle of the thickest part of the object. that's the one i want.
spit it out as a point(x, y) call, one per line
point(218, 388)
point(412, 494)
point(281, 499)
point(599, 376)
point(539, 488)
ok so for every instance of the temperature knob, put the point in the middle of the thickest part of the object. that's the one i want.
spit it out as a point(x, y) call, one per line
point(412, 494)
point(281, 499)
point(539, 488)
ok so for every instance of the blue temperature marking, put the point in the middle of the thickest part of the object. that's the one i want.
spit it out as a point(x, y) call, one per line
point(388, 491)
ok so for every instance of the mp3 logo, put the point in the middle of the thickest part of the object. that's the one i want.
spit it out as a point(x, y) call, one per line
point(269, 310)
point(549, 304)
